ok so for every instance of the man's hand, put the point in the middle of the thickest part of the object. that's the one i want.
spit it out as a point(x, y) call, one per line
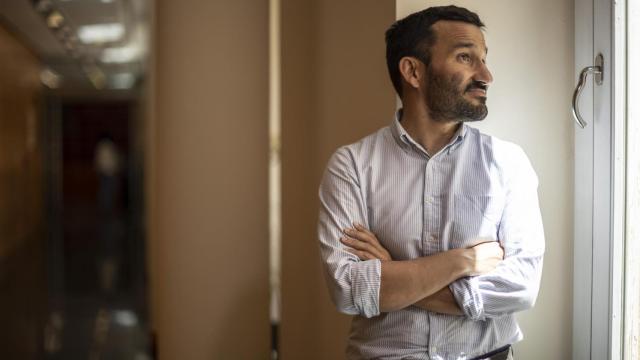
point(441, 302)
point(483, 257)
point(364, 244)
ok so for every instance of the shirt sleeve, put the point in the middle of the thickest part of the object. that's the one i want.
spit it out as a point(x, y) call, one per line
point(513, 286)
point(354, 285)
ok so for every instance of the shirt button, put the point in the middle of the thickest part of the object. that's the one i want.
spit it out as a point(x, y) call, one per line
point(432, 238)
point(433, 349)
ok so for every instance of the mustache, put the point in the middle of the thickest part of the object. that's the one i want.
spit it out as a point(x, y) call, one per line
point(477, 85)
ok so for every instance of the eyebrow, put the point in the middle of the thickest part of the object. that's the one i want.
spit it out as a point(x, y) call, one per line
point(468, 45)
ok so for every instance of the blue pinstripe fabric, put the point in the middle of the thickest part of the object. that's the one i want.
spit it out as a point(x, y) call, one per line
point(477, 187)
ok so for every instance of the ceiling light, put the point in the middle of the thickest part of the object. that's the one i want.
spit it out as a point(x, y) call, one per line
point(123, 54)
point(55, 19)
point(101, 33)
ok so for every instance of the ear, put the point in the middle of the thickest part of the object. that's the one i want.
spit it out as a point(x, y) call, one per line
point(412, 70)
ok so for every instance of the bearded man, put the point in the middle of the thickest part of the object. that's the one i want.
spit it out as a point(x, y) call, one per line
point(430, 231)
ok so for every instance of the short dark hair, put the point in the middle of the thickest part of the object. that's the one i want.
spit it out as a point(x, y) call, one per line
point(413, 36)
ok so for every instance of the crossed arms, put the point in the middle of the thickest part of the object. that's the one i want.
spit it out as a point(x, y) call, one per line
point(475, 282)
point(422, 282)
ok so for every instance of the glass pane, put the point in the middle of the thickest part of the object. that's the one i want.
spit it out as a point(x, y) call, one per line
point(632, 271)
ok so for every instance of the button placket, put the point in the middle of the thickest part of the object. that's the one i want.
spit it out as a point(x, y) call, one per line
point(431, 204)
point(426, 210)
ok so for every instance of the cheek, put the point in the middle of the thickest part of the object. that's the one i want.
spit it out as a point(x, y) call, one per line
point(457, 81)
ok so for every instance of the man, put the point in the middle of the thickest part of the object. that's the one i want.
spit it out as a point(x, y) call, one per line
point(430, 231)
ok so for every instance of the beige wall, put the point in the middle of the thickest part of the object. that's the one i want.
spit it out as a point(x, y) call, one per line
point(531, 58)
point(334, 91)
point(207, 180)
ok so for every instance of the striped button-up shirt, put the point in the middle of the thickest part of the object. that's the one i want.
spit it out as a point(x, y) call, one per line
point(417, 204)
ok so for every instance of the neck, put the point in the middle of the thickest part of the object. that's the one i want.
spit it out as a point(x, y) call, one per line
point(431, 134)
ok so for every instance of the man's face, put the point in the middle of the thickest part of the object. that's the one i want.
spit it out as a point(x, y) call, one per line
point(457, 78)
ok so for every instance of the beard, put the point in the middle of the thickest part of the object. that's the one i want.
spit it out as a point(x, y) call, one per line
point(446, 101)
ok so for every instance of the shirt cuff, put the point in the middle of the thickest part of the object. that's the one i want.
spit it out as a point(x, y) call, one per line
point(365, 286)
point(467, 294)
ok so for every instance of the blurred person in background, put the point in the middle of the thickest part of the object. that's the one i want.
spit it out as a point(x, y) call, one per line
point(108, 167)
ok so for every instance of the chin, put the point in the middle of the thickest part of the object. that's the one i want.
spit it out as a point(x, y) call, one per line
point(474, 113)
point(479, 99)
point(473, 119)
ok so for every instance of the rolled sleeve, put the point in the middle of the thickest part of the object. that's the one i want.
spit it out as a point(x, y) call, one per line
point(365, 286)
point(354, 285)
point(513, 285)
point(468, 297)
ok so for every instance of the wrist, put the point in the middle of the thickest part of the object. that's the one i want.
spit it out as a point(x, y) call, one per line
point(463, 262)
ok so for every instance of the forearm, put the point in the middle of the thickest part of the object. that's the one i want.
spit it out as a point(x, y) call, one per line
point(511, 288)
point(441, 302)
point(404, 283)
point(399, 284)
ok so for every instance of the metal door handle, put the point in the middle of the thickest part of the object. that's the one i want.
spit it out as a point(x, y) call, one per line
point(597, 70)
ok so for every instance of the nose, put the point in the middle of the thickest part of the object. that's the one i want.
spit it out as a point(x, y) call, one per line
point(483, 74)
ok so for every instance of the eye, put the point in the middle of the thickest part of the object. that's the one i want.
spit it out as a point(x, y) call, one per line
point(465, 58)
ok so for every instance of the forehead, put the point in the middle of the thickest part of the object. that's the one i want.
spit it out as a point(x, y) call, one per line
point(451, 35)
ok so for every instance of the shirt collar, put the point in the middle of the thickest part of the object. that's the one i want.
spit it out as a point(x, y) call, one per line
point(405, 141)
point(399, 133)
point(457, 139)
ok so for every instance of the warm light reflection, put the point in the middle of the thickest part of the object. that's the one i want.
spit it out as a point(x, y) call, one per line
point(101, 33)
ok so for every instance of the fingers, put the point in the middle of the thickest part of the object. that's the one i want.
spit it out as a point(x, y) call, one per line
point(361, 239)
point(362, 255)
point(486, 243)
point(362, 234)
point(361, 246)
point(363, 229)
point(366, 236)
point(487, 256)
point(497, 250)
point(490, 249)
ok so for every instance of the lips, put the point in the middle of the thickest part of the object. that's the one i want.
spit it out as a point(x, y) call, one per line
point(478, 91)
point(477, 88)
